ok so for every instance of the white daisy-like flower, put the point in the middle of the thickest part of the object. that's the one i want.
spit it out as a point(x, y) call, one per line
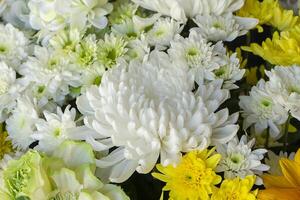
point(261, 110)
point(273, 162)
point(83, 13)
point(135, 27)
point(44, 15)
point(54, 15)
point(239, 160)
point(284, 82)
point(13, 46)
point(16, 12)
point(123, 10)
point(21, 124)
point(224, 27)
point(54, 129)
point(49, 69)
point(8, 90)
point(183, 9)
point(230, 72)
point(65, 41)
point(196, 53)
point(163, 32)
point(148, 110)
point(138, 49)
point(110, 49)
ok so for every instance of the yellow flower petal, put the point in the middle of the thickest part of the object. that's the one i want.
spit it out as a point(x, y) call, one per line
point(279, 194)
point(276, 181)
point(291, 171)
point(297, 156)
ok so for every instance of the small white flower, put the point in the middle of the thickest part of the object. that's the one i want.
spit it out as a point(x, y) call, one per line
point(123, 11)
point(54, 129)
point(138, 49)
point(273, 162)
point(16, 12)
point(110, 49)
point(262, 110)
point(13, 46)
point(162, 32)
point(65, 41)
point(134, 27)
point(225, 27)
point(230, 72)
point(239, 160)
point(51, 70)
point(148, 110)
point(196, 53)
point(8, 90)
point(21, 124)
point(51, 16)
point(285, 84)
point(183, 9)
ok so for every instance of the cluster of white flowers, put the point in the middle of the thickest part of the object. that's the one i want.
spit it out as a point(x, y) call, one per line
point(270, 103)
point(140, 82)
point(215, 18)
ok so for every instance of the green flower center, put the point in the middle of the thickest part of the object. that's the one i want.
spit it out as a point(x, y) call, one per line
point(3, 49)
point(57, 132)
point(17, 181)
point(266, 103)
point(237, 158)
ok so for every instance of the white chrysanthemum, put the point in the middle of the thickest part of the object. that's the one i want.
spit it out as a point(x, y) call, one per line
point(138, 49)
point(162, 32)
point(123, 11)
point(21, 124)
point(50, 70)
point(285, 84)
point(8, 90)
point(13, 46)
point(238, 159)
point(183, 9)
point(110, 49)
point(148, 110)
point(54, 129)
point(133, 28)
point(273, 162)
point(16, 12)
point(196, 53)
point(261, 110)
point(230, 72)
point(225, 27)
point(44, 15)
point(65, 41)
point(54, 15)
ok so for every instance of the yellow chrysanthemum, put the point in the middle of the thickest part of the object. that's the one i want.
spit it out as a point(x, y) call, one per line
point(283, 49)
point(269, 12)
point(285, 187)
point(5, 144)
point(193, 178)
point(236, 189)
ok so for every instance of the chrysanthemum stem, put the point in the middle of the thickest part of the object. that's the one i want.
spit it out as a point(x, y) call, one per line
point(267, 138)
point(286, 132)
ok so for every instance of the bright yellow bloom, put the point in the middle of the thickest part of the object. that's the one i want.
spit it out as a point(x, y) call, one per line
point(269, 12)
point(236, 189)
point(193, 178)
point(283, 49)
point(5, 144)
point(285, 187)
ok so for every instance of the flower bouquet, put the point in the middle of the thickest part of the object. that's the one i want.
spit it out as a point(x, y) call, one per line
point(149, 99)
